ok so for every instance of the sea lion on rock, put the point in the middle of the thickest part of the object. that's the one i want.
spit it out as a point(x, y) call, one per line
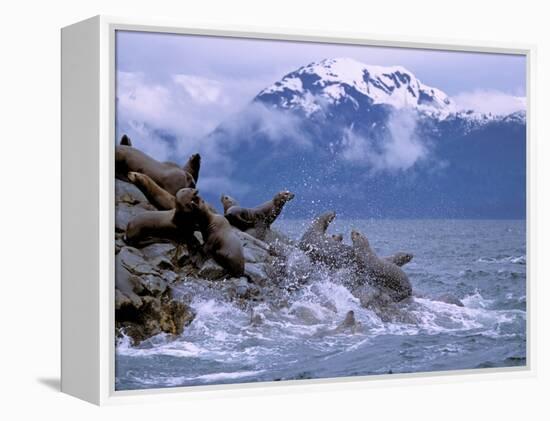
point(168, 176)
point(255, 221)
point(228, 202)
point(380, 272)
point(177, 224)
point(322, 248)
point(400, 258)
point(156, 195)
point(220, 241)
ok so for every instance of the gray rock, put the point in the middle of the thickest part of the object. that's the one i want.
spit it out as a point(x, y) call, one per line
point(126, 192)
point(212, 271)
point(241, 288)
point(155, 315)
point(125, 213)
point(256, 272)
point(146, 275)
point(160, 255)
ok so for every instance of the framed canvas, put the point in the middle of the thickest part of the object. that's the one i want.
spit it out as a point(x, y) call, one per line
point(244, 210)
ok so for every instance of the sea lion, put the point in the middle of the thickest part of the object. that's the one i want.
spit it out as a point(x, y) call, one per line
point(400, 258)
point(156, 195)
point(177, 224)
point(322, 248)
point(228, 202)
point(348, 325)
point(220, 241)
point(379, 272)
point(338, 237)
point(168, 176)
point(255, 221)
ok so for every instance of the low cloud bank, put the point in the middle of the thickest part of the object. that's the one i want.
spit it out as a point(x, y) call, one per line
point(487, 101)
point(399, 150)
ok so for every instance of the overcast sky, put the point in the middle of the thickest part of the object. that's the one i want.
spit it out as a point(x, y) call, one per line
point(161, 55)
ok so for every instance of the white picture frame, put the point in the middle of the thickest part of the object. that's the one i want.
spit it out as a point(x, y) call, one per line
point(88, 139)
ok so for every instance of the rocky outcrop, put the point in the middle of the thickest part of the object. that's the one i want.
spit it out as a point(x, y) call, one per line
point(156, 283)
point(146, 278)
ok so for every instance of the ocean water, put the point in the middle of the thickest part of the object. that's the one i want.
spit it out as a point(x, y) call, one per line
point(481, 262)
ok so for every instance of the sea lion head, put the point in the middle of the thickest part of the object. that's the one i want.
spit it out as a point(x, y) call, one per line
point(323, 221)
point(227, 202)
point(338, 237)
point(186, 199)
point(359, 240)
point(349, 320)
point(282, 197)
point(402, 258)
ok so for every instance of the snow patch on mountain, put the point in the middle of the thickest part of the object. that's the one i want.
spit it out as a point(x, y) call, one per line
point(331, 82)
point(343, 78)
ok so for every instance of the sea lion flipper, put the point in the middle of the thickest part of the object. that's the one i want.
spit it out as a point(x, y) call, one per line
point(125, 140)
point(156, 195)
point(240, 218)
point(193, 166)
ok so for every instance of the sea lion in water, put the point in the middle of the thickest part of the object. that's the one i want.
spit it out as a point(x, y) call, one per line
point(349, 324)
point(177, 224)
point(338, 237)
point(255, 221)
point(168, 176)
point(322, 248)
point(400, 258)
point(220, 241)
point(379, 272)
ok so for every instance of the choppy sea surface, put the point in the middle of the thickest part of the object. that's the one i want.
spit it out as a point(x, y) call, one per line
point(481, 262)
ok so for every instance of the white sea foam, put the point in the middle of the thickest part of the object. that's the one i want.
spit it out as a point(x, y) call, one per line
point(519, 260)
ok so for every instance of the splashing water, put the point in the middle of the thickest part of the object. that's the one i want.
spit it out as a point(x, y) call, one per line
point(480, 262)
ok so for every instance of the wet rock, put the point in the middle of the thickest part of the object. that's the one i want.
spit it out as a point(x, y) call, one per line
point(154, 316)
point(241, 288)
point(305, 314)
point(254, 250)
point(256, 272)
point(212, 271)
point(144, 305)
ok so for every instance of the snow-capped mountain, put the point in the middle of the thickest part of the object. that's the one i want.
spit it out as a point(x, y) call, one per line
point(345, 79)
point(342, 134)
point(313, 88)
